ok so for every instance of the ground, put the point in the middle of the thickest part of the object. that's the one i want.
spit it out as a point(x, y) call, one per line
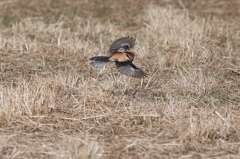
point(53, 104)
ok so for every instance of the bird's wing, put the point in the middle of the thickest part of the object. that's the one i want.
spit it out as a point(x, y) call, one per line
point(122, 44)
point(129, 69)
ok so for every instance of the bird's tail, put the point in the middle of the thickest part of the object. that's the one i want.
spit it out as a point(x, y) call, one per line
point(99, 61)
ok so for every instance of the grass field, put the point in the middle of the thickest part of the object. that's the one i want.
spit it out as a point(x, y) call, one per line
point(53, 104)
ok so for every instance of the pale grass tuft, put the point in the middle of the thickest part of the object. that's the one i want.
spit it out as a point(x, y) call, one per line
point(27, 98)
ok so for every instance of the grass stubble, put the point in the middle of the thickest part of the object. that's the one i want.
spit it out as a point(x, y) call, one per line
point(54, 105)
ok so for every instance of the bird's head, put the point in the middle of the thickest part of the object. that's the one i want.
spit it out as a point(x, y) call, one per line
point(130, 56)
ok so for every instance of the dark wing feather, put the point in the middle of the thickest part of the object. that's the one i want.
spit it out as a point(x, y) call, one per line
point(129, 69)
point(122, 45)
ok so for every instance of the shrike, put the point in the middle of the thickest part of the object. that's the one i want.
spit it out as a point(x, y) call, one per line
point(122, 56)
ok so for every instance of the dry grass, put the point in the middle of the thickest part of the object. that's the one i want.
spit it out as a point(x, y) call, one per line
point(53, 104)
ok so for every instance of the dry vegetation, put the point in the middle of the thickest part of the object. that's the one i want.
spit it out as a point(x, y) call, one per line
point(54, 105)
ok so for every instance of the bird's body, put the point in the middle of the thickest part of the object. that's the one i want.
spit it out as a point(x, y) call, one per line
point(123, 58)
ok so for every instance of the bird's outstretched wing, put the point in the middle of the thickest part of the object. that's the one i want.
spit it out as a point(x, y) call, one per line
point(129, 69)
point(122, 45)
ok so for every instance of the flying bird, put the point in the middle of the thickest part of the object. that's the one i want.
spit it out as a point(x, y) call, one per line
point(122, 56)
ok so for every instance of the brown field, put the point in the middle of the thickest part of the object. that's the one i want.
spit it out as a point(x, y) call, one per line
point(53, 104)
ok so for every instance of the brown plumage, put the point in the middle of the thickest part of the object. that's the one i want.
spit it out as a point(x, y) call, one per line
point(121, 55)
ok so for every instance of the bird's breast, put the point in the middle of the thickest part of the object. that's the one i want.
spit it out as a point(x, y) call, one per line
point(120, 57)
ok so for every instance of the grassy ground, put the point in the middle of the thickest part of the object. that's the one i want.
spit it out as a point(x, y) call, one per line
point(53, 104)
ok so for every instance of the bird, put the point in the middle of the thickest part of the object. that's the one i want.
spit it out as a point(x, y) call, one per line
point(122, 56)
